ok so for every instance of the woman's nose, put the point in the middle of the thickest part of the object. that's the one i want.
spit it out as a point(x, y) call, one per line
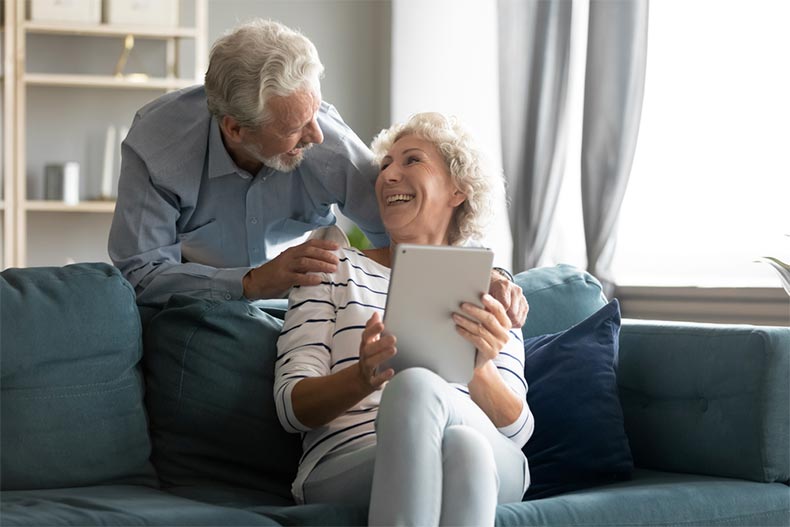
point(391, 174)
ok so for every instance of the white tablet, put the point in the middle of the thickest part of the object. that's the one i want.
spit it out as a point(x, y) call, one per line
point(427, 285)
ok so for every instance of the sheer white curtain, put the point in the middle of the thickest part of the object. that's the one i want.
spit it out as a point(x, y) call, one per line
point(444, 59)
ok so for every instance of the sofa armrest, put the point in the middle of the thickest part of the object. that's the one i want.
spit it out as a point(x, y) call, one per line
point(707, 398)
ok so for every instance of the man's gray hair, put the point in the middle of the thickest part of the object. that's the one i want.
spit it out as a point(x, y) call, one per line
point(468, 169)
point(255, 61)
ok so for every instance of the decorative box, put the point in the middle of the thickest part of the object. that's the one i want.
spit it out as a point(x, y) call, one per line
point(83, 11)
point(141, 12)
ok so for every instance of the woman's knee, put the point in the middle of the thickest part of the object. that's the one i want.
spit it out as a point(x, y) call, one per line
point(415, 394)
point(466, 443)
point(413, 383)
point(468, 454)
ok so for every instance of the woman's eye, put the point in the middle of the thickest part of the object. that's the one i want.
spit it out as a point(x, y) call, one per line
point(384, 167)
point(411, 159)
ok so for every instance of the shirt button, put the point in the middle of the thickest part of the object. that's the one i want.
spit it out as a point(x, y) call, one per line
point(228, 296)
point(255, 249)
point(253, 220)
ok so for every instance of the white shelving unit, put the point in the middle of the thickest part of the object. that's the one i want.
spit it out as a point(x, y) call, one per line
point(23, 215)
point(7, 209)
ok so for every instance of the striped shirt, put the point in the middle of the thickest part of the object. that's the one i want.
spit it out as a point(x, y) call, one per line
point(321, 336)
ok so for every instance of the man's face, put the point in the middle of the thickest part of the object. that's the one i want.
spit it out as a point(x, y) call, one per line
point(293, 128)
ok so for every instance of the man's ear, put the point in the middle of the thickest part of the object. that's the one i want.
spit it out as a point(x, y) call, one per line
point(231, 129)
point(457, 198)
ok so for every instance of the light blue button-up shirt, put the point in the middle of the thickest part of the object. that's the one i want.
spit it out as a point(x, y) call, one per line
point(188, 220)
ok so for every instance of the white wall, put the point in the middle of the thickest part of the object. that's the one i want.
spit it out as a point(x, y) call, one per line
point(445, 59)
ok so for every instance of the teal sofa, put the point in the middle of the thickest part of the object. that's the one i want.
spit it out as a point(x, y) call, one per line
point(104, 424)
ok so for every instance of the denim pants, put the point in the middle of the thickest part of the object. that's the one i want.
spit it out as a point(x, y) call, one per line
point(439, 460)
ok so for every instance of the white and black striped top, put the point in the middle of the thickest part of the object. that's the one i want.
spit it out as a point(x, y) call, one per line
point(321, 335)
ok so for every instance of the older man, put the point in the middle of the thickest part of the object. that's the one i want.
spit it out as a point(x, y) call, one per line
point(217, 180)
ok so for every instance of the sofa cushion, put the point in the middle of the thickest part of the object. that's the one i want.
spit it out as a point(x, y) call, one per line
point(117, 505)
point(210, 372)
point(579, 438)
point(658, 499)
point(72, 395)
point(560, 296)
point(707, 398)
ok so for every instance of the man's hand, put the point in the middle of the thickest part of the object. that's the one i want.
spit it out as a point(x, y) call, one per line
point(511, 298)
point(292, 267)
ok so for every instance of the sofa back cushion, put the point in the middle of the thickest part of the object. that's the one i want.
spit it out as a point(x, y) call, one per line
point(71, 409)
point(210, 372)
point(707, 398)
point(561, 296)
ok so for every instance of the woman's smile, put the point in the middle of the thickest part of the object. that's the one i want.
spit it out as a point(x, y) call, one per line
point(396, 199)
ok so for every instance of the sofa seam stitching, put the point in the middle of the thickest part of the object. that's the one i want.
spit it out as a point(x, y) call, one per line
point(183, 358)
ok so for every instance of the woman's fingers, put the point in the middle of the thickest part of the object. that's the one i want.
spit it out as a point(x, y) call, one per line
point(477, 334)
point(494, 307)
point(493, 317)
point(373, 328)
point(486, 328)
point(374, 349)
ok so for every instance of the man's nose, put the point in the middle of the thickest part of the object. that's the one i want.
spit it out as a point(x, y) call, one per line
point(313, 133)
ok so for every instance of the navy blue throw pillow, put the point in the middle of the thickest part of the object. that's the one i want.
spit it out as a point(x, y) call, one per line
point(579, 439)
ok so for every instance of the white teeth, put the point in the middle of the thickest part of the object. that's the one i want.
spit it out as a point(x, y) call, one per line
point(399, 197)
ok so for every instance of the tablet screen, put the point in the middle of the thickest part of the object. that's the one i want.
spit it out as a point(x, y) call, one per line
point(427, 285)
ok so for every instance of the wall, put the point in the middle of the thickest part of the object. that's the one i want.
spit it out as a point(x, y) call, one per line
point(68, 124)
point(353, 41)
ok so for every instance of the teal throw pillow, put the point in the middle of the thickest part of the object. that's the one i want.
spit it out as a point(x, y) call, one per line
point(210, 371)
point(558, 297)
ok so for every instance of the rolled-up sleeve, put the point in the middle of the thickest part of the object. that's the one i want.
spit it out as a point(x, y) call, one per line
point(510, 363)
point(304, 348)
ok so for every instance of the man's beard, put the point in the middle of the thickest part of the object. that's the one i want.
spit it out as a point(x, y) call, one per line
point(282, 162)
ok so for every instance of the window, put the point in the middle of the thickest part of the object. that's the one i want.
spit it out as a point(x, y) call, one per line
point(710, 184)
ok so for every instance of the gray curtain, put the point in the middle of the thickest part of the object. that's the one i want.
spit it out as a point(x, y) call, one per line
point(613, 91)
point(534, 58)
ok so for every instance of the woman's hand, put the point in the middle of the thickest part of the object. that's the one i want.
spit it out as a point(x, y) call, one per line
point(374, 349)
point(486, 328)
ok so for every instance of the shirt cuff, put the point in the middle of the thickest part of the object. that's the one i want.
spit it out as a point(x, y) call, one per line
point(226, 284)
point(504, 273)
point(516, 427)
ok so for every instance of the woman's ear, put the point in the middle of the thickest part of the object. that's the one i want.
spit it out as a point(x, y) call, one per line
point(457, 198)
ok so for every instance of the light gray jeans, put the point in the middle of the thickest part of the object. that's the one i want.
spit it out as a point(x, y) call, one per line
point(439, 460)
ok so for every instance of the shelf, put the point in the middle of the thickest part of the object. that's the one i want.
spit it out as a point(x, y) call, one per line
point(60, 206)
point(106, 81)
point(26, 81)
point(107, 30)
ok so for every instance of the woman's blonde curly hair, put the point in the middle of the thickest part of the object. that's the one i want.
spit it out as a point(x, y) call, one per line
point(468, 169)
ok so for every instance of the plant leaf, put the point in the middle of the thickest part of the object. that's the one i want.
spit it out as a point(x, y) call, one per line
point(780, 267)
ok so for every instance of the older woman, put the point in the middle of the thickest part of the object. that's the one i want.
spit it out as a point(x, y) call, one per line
point(415, 449)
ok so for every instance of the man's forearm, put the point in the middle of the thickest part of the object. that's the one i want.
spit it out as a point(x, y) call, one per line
point(163, 280)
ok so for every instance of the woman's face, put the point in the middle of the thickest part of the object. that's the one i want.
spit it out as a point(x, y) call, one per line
point(415, 193)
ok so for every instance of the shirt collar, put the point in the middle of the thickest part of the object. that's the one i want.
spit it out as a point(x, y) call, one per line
point(219, 161)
